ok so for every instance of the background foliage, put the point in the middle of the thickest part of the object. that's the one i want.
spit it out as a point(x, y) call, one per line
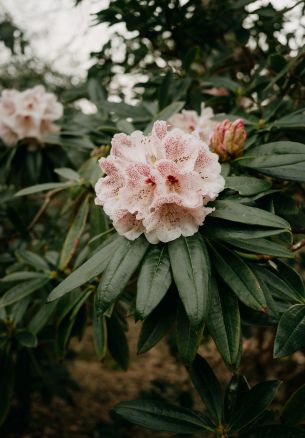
point(55, 241)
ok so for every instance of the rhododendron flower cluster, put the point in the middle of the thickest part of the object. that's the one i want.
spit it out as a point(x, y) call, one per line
point(159, 184)
point(191, 122)
point(228, 139)
point(28, 114)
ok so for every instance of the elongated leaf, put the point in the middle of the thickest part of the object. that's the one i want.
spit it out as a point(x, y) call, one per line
point(99, 332)
point(162, 417)
point(218, 229)
point(157, 324)
point(191, 271)
point(41, 318)
point(290, 335)
point(22, 275)
point(91, 268)
point(239, 277)
point(235, 391)
point(188, 337)
point(121, 267)
point(208, 387)
point(43, 187)
point(32, 259)
point(262, 246)
point(116, 340)
point(224, 323)
point(153, 281)
point(235, 212)
point(293, 411)
point(253, 404)
point(68, 173)
point(74, 234)
point(22, 290)
point(282, 159)
point(247, 185)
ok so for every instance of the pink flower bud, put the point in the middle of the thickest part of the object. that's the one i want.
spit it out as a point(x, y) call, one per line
point(228, 139)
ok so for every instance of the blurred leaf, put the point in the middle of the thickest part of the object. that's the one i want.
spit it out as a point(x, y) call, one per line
point(290, 335)
point(43, 187)
point(26, 339)
point(293, 411)
point(22, 290)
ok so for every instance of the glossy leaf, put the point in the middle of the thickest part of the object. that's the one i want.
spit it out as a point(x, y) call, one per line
point(253, 403)
point(162, 417)
point(188, 337)
point(208, 387)
point(290, 335)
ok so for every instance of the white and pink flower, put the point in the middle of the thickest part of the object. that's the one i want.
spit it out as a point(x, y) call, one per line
point(28, 114)
point(192, 122)
point(159, 184)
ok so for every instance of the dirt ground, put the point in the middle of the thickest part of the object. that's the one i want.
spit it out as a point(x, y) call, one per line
point(155, 374)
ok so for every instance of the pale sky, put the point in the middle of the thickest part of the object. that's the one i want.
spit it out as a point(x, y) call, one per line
point(64, 36)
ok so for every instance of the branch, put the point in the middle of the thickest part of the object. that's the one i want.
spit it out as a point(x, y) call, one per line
point(44, 206)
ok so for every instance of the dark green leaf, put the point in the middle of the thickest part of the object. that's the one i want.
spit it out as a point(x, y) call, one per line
point(253, 404)
point(294, 412)
point(119, 270)
point(290, 335)
point(91, 268)
point(235, 212)
point(274, 431)
point(224, 322)
point(99, 332)
point(162, 417)
point(153, 281)
point(190, 265)
point(239, 277)
point(188, 337)
point(22, 290)
point(247, 185)
point(282, 159)
point(26, 339)
point(208, 387)
point(116, 340)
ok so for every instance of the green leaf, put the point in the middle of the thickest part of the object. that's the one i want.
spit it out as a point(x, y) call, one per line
point(217, 229)
point(21, 275)
point(190, 265)
point(165, 114)
point(26, 339)
point(32, 259)
point(74, 234)
point(239, 277)
point(154, 280)
point(224, 323)
point(208, 387)
point(234, 394)
point(262, 246)
point(90, 269)
point(157, 324)
point(247, 185)
point(43, 187)
point(293, 411)
point(290, 335)
point(22, 290)
point(235, 212)
point(68, 173)
point(99, 332)
point(188, 337)
point(40, 319)
point(282, 159)
point(162, 417)
point(116, 341)
point(119, 270)
point(253, 404)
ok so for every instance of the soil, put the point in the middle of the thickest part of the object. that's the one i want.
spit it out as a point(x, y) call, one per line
point(154, 374)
